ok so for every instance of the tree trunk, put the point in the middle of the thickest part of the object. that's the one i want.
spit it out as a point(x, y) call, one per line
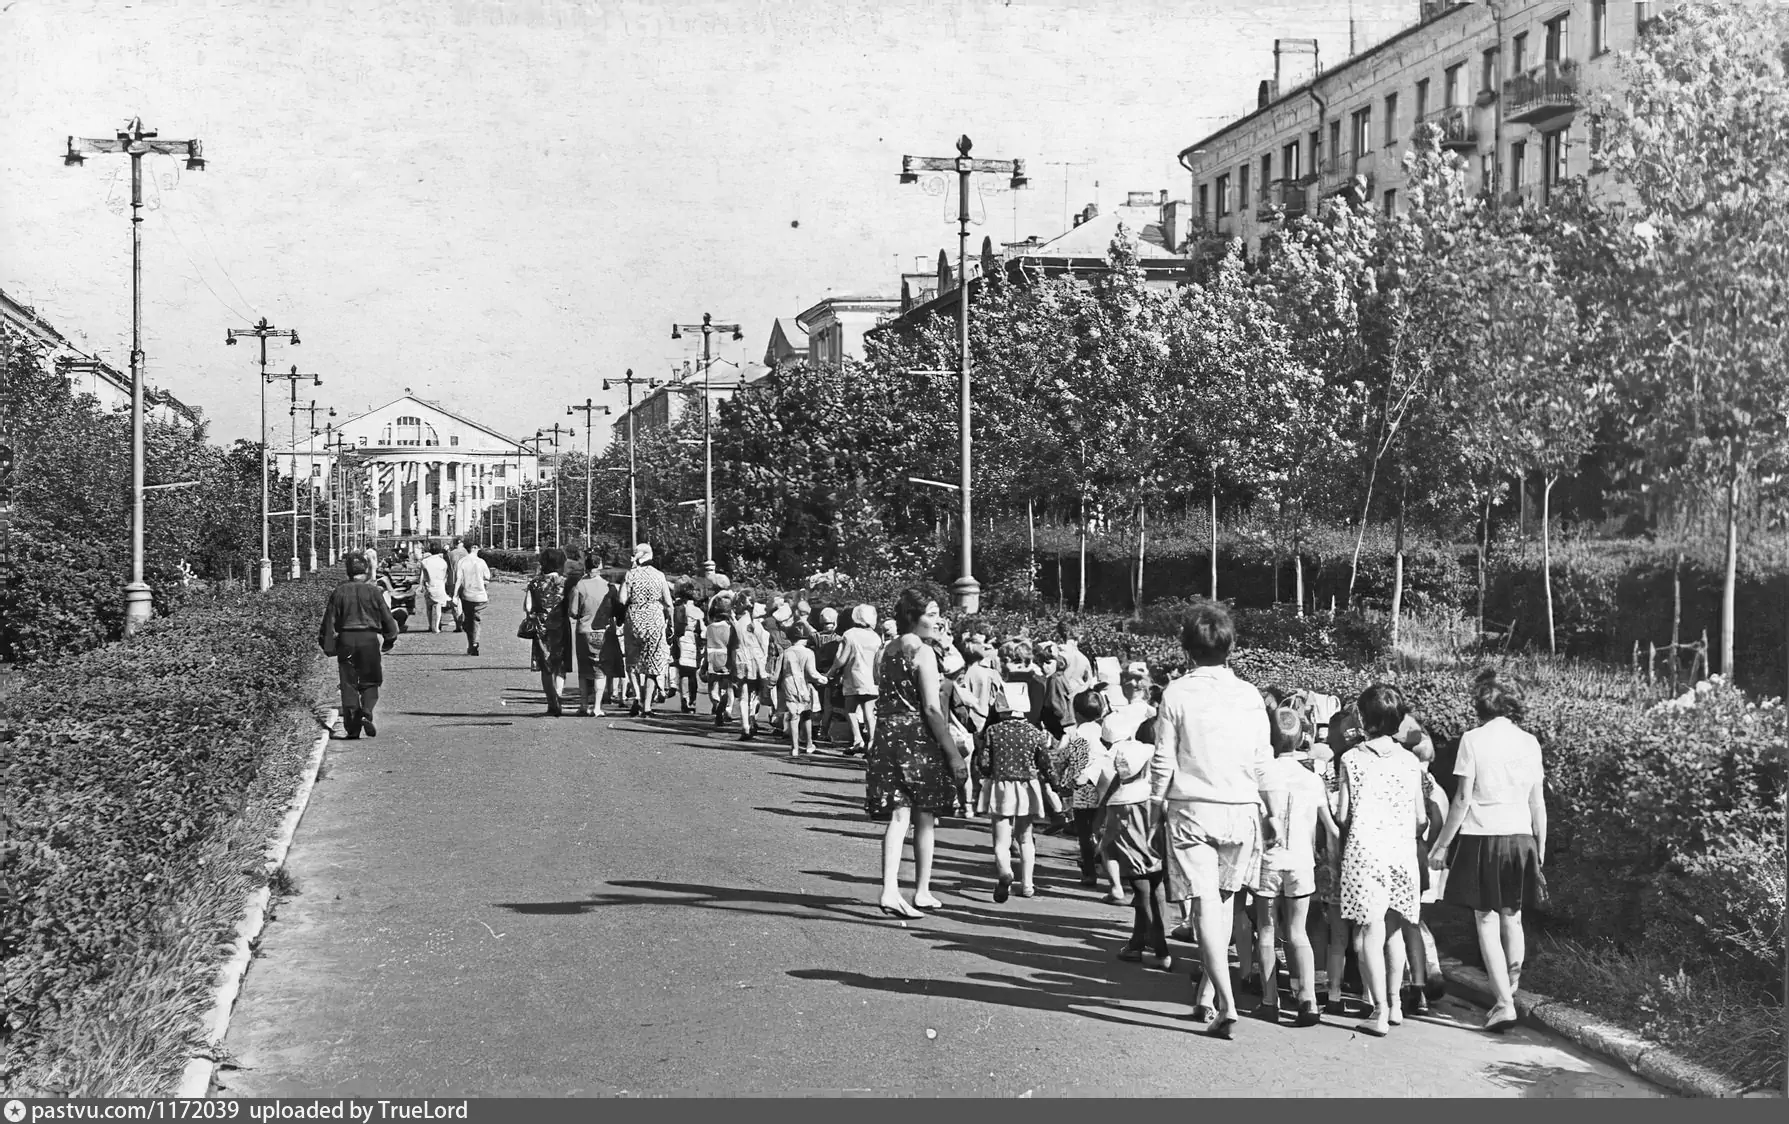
point(1732, 575)
point(1484, 551)
point(1274, 562)
point(1058, 553)
point(1676, 615)
point(1081, 591)
point(1142, 542)
point(1031, 554)
point(1397, 572)
point(1214, 532)
point(1360, 536)
point(1522, 499)
point(1547, 558)
point(1298, 574)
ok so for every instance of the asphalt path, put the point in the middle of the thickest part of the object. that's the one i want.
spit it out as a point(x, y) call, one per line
point(491, 902)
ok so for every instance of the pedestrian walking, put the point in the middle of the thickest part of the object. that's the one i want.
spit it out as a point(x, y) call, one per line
point(856, 667)
point(592, 606)
point(647, 597)
point(470, 581)
point(798, 686)
point(912, 766)
point(1289, 870)
point(688, 622)
point(357, 629)
point(1070, 758)
point(1497, 829)
point(826, 654)
point(1205, 781)
point(746, 659)
point(1133, 838)
point(1014, 764)
point(454, 558)
point(718, 649)
point(546, 625)
point(434, 587)
point(1381, 807)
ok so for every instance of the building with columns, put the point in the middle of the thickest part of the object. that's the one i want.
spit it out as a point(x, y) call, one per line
point(426, 471)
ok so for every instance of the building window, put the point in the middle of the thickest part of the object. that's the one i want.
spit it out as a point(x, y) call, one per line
point(1518, 53)
point(363, 441)
point(1204, 203)
point(1289, 165)
point(1488, 80)
point(316, 469)
point(1242, 188)
point(1391, 202)
point(1335, 145)
point(1316, 149)
point(1599, 27)
point(1361, 134)
point(1557, 29)
point(501, 471)
point(1518, 154)
point(1487, 173)
point(1451, 91)
point(1422, 99)
point(1391, 120)
point(1223, 195)
point(454, 440)
point(1552, 161)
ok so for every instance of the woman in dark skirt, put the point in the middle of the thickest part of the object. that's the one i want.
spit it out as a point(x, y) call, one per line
point(1497, 827)
point(913, 766)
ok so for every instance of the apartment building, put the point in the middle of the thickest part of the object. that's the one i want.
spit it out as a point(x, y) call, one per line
point(1505, 81)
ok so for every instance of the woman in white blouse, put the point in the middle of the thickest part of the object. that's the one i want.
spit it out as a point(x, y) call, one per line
point(1499, 815)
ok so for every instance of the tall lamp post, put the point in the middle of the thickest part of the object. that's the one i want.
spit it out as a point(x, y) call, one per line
point(534, 486)
point(310, 461)
point(263, 331)
point(335, 447)
point(590, 409)
point(293, 378)
point(708, 328)
point(553, 435)
point(966, 591)
point(136, 142)
point(633, 504)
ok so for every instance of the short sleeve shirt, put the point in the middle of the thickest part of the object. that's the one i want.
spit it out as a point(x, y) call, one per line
point(1284, 781)
point(1504, 762)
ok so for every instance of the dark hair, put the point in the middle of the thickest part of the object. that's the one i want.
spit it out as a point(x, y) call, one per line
point(1016, 649)
point(1146, 732)
point(1208, 635)
point(1493, 698)
point(1276, 697)
point(1063, 632)
point(909, 607)
point(355, 564)
point(1381, 709)
point(1287, 731)
point(1091, 704)
point(552, 560)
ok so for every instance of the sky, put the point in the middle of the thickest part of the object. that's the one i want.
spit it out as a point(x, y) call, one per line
point(498, 203)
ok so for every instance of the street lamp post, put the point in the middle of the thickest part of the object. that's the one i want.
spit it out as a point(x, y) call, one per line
point(966, 591)
point(590, 408)
point(534, 486)
point(335, 447)
point(135, 142)
point(293, 378)
point(263, 331)
point(633, 504)
point(553, 435)
point(310, 461)
point(707, 327)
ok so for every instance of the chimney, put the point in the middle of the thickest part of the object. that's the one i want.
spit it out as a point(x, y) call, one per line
point(1164, 199)
point(1269, 90)
point(1175, 222)
point(1295, 62)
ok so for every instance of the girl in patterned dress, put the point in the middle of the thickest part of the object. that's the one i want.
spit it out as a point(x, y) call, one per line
point(1382, 806)
point(912, 767)
point(1014, 762)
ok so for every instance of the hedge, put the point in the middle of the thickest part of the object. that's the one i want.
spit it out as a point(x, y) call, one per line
point(118, 766)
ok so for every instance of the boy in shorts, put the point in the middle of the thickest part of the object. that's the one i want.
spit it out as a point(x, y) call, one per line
point(1288, 868)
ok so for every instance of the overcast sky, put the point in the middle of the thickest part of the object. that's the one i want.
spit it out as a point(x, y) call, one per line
point(498, 204)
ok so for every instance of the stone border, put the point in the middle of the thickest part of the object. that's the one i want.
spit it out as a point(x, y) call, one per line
point(1638, 1055)
point(195, 1081)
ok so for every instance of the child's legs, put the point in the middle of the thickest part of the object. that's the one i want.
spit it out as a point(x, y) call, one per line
point(1413, 954)
point(794, 729)
point(1027, 850)
point(1336, 938)
point(1084, 819)
point(1243, 929)
point(1296, 912)
point(1139, 914)
point(1003, 846)
point(1158, 930)
point(1112, 875)
point(807, 728)
point(869, 720)
point(1264, 952)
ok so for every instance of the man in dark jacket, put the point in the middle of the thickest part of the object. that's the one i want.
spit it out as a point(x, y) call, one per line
point(358, 628)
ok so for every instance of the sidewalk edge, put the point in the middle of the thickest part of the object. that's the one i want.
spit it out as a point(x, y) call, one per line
point(1617, 1044)
point(195, 1080)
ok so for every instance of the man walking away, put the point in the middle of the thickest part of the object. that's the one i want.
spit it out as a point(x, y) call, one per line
point(357, 629)
point(454, 559)
point(470, 577)
point(434, 586)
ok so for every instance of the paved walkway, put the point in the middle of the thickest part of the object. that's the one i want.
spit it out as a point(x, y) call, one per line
point(495, 903)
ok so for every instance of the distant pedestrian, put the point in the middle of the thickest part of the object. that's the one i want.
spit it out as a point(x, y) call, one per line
point(687, 624)
point(434, 586)
point(357, 628)
point(1076, 666)
point(591, 607)
point(1497, 826)
point(798, 687)
point(1014, 764)
point(913, 764)
point(1133, 838)
point(469, 589)
point(746, 660)
point(717, 650)
point(826, 653)
point(856, 667)
point(543, 602)
point(647, 596)
point(454, 558)
point(1073, 752)
point(371, 554)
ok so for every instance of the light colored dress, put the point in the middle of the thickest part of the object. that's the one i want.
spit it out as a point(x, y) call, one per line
point(647, 654)
point(1378, 863)
point(798, 681)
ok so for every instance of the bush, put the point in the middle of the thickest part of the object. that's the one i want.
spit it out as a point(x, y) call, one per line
point(120, 764)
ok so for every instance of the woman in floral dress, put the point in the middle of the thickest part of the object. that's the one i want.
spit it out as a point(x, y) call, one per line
point(913, 766)
point(647, 596)
point(544, 603)
point(1382, 806)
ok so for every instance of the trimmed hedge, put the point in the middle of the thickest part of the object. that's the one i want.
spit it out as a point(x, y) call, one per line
point(118, 765)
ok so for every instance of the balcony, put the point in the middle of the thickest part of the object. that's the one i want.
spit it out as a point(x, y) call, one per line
point(1542, 93)
point(1457, 130)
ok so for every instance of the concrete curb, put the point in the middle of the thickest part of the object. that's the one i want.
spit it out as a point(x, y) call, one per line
point(195, 1081)
point(1638, 1055)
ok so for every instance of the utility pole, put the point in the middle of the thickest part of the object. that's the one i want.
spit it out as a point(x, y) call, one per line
point(633, 504)
point(521, 447)
point(707, 327)
point(534, 485)
point(966, 591)
point(293, 378)
point(590, 408)
point(335, 446)
point(263, 331)
point(310, 476)
point(135, 142)
point(554, 434)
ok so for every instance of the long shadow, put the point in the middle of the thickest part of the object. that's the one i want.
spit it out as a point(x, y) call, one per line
point(457, 714)
point(453, 725)
point(1026, 995)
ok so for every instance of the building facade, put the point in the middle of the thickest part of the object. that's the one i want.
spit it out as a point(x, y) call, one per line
point(1505, 82)
point(836, 326)
point(423, 469)
point(87, 374)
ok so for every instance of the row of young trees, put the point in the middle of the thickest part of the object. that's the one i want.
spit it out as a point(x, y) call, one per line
point(1364, 368)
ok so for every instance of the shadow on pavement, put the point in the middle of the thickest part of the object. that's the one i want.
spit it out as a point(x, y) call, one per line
point(1025, 994)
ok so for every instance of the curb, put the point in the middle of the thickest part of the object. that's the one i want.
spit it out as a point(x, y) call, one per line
point(1638, 1055)
point(195, 1080)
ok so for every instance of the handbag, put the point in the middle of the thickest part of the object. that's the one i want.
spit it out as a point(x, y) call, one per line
point(528, 629)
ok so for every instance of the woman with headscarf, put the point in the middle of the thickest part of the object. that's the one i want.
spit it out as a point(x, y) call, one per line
point(913, 766)
point(856, 666)
point(544, 603)
point(647, 596)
